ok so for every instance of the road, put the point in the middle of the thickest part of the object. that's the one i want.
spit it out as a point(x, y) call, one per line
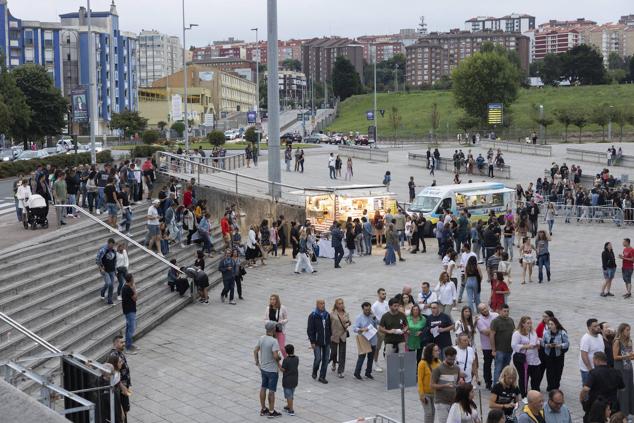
point(7, 205)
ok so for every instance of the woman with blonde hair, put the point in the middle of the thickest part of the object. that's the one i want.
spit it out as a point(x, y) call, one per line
point(525, 344)
point(446, 293)
point(276, 312)
point(339, 323)
point(623, 356)
point(528, 257)
point(505, 394)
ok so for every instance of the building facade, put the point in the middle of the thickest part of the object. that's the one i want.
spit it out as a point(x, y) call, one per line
point(155, 104)
point(242, 67)
point(159, 55)
point(610, 38)
point(553, 41)
point(292, 85)
point(23, 41)
point(514, 22)
point(437, 54)
point(116, 69)
point(319, 55)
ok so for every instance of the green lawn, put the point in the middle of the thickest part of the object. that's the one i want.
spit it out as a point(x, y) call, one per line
point(415, 109)
point(208, 146)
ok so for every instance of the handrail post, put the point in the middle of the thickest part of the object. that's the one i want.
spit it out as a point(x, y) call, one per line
point(236, 183)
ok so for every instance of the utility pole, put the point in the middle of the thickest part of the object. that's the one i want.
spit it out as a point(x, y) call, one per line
point(186, 117)
point(541, 124)
point(610, 123)
point(92, 110)
point(396, 77)
point(257, 88)
point(273, 102)
point(376, 118)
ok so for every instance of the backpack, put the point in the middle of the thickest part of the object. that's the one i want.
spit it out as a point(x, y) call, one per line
point(379, 224)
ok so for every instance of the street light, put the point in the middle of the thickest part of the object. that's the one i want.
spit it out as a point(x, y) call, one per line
point(610, 123)
point(541, 123)
point(92, 109)
point(186, 118)
point(257, 89)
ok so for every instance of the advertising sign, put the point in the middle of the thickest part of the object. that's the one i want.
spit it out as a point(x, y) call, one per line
point(177, 107)
point(80, 105)
point(252, 117)
point(495, 113)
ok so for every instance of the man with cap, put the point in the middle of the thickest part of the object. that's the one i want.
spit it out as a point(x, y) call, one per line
point(267, 358)
point(153, 223)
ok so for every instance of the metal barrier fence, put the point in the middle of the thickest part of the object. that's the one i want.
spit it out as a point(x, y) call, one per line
point(232, 182)
point(587, 155)
point(517, 147)
point(379, 418)
point(365, 153)
point(591, 214)
point(447, 165)
point(232, 162)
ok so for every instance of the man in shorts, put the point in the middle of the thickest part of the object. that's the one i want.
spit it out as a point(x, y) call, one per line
point(154, 234)
point(628, 266)
point(267, 357)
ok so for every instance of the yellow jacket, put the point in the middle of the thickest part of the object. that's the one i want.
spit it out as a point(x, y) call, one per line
point(424, 376)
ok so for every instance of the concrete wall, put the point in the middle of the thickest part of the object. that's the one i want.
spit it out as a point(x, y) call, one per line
point(16, 406)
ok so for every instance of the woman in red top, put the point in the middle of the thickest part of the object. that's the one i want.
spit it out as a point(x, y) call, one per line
point(544, 323)
point(187, 196)
point(499, 289)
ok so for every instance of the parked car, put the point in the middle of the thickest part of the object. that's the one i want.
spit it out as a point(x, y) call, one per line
point(9, 154)
point(317, 139)
point(32, 154)
point(362, 140)
point(232, 134)
point(290, 137)
point(336, 138)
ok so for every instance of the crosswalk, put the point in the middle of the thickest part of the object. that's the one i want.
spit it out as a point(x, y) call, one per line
point(7, 205)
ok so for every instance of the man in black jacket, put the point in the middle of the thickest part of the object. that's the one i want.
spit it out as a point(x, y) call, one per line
point(319, 333)
point(336, 239)
point(533, 215)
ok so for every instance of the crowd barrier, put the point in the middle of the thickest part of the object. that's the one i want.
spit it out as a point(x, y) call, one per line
point(516, 147)
point(599, 157)
point(365, 153)
point(445, 164)
point(591, 214)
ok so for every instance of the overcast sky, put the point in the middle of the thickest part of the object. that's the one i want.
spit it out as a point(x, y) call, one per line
point(219, 19)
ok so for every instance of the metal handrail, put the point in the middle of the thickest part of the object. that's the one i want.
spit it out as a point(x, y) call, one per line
point(122, 235)
point(29, 334)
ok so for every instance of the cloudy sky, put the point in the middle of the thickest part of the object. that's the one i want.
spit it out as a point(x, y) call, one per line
point(219, 19)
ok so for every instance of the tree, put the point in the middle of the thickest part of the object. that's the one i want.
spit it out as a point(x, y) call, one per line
point(15, 113)
point(179, 127)
point(552, 69)
point(161, 125)
point(467, 123)
point(564, 115)
point(150, 136)
point(292, 64)
point(395, 120)
point(615, 61)
point(216, 138)
point(542, 119)
point(250, 135)
point(535, 68)
point(345, 79)
point(48, 106)
point(434, 118)
point(621, 116)
point(444, 83)
point(584, 65)
point(129, 122)
point(601, 115)
point(617, 76)
point(631, 69)
point(579, 119)
point(485, 78)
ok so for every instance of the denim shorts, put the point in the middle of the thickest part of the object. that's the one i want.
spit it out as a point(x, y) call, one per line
point(609, 273)
point(269, 380)
point(153, 230)
point(288, 393)
point(627, 275)
point(112, 209)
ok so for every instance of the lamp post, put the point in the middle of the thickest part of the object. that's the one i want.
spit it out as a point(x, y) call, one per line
point(610, 123)
point(273, 101)
point(257, 88)
point(541, 122)
point(376, 136)
point(186, 117)
point(92, 92)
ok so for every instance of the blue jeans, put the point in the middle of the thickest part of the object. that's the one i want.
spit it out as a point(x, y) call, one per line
point(584, 377)
point(108, 284)
point(127, 220)
point(338, 255)
point(543, 260)
point(18, 210)
point(165, 247)
point(502, 359)
point(130, 327)
point(367, 238)
point(204, 235)
point(550, 225)
point(473, 296)
point(322, 354)
point(72, 199)
point(101, 199)
point(91, 200)
point(333, 175)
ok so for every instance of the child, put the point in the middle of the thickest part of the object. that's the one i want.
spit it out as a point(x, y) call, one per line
point(274, 238)
point(290, 376)
point(499, 291)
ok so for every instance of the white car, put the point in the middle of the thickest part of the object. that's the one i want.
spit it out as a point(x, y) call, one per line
point(32, 154)
point(64, 145)
point(232, 134)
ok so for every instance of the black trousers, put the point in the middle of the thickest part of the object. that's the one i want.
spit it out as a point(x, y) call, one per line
point(295, 248)
point(554, 370)
point(486, 371)
point(283, 243)
point(338, 255)
point(239, 285)
point(532, 374)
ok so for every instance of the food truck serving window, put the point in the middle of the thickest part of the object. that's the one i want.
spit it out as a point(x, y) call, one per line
point(479, 200)
point(424, 204)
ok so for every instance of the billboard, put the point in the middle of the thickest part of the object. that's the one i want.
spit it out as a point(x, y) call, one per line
point(251, 117)
point(495, 113)
point(177, 107)
point(79, 98)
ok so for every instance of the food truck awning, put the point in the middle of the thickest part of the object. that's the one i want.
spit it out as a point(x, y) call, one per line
point(347, 190)
point(487, 192)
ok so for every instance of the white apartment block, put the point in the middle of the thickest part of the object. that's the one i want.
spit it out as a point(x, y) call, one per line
point(159, 54)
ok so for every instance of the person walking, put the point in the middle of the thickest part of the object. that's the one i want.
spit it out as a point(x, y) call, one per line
point(411, 186)
point(238, 271)
point(336, 239)
point(267, 358)
point(339, 323)
point(277, 313)
point(123, 264)
point(320, 334)
point(505, 394)
point(331, 166)
point(543, 255)
point(338, 165)
point(367, 235)
point(59, 196)
point(444, 380)
point(118, 352)
point(129, 297)
point(473, 276)
point(528, 259)
point(628, 266)
point(623, 355)
point(550, 217)
point(349, 169)
point(350, 242)
point(525, 344)
point(500, 335)
point(464, 408)
point(426, 366)
point(555, 345)
point(107, 263)
point(365, 322)
point(153, 227)
point(608, 263)
point(303, 259)
point(379, 308)
point(225, 267)
point(483, 325)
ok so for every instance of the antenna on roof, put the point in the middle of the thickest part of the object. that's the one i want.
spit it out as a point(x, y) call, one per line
point(422, 27)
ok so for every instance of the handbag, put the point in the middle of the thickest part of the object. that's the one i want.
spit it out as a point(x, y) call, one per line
point(242, 271)
point(347, 331)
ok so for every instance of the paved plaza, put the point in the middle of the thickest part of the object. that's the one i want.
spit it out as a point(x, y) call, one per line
point(198, 366)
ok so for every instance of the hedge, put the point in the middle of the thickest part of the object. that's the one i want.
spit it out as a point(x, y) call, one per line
point(9, 169)
point(145, 150)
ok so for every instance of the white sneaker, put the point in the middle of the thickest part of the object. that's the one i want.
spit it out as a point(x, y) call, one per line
point(72, 216)
point(98, 212)
point(118, 297)
point(160, 254)
point(378, 369)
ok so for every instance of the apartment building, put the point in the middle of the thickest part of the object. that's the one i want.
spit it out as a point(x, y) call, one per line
point(611, 38)
point(515, 22)
point(319, 55)
point(159, 55)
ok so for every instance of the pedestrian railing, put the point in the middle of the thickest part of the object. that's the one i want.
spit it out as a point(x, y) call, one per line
point(229, 181)
point(232, 162)
point(587, 155)
point(590, 214)
point(365, 153)
point(517, 147)
point(447, 165)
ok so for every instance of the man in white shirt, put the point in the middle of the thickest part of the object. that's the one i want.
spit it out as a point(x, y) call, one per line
point(464, 257)
point(379, 308)
point(591, 342)
point(483, 324)
point(153, 227)
point(331, 166)
point(425, 298)
point(466, 358)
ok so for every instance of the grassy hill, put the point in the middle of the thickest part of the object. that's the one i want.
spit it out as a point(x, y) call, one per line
point(415, 109)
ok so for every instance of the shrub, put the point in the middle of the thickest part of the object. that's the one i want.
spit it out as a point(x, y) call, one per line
point(9, 169)
point(250, 135)
point(216, 138)
point(150, 136)
point(179, 127)
point(145, 150)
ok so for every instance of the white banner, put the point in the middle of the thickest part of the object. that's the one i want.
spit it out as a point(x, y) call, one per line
point(177, 107)
point(209, 119)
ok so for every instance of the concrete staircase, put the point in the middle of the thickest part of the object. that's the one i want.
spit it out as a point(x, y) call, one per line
point(52, 288)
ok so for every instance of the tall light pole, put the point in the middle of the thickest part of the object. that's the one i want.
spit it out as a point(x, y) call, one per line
point(257, 88)
point(541, 123)
point(273, 101)
point(396, 77)
point(186, 117)
point(92, 109)
point(611, 112)
point(376, 136)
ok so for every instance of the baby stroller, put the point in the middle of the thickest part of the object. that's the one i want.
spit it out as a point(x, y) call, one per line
point(36, 212)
